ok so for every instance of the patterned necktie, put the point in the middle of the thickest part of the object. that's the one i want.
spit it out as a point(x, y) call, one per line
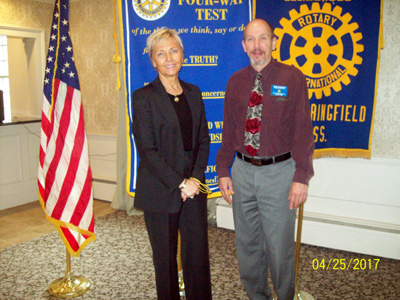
point(253, 118)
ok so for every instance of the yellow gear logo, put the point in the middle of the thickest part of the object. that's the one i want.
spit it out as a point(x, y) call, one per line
point(322, 44)
point(151, 10)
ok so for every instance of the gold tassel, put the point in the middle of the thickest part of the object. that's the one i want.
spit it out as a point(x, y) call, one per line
point(117, 58)
point(382, 39)
point(203, 188)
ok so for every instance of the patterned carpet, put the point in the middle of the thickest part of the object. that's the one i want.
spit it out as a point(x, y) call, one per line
point(119, 266)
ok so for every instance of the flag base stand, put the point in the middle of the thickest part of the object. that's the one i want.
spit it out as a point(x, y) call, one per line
point(180, 271)
point(181, 285)
point(69, 286)
point(302, 295)
point(299, 295)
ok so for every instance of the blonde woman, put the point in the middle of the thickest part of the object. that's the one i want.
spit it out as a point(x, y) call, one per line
point(171, 134)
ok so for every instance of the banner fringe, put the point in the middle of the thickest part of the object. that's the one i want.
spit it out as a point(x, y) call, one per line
point(342, 153)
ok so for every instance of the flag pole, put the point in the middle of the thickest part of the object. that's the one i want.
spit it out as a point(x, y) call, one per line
point(69, 286)
point(180, 272)
point(299, 295)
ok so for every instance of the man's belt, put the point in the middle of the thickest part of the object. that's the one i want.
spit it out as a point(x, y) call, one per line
point(265, 161)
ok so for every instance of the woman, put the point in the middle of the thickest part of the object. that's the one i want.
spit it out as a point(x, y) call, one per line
point(171, 134)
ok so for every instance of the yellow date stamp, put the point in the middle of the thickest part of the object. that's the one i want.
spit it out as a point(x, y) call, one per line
point(345, 264)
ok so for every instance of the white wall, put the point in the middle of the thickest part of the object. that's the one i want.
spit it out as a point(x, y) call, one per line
point(353, 205)
point(103, 160)
point(19, 158)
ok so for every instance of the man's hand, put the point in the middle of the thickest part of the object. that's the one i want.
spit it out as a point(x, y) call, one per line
point(297, 195)
point(225, 186)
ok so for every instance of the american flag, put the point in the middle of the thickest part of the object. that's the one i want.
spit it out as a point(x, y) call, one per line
point(64, 177)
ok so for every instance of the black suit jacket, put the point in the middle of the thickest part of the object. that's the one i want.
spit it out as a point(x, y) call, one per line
point(158, 139)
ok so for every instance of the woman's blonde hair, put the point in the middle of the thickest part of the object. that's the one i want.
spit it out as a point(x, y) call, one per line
point(160, 34)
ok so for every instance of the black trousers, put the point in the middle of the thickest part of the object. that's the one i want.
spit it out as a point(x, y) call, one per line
point(162, 228)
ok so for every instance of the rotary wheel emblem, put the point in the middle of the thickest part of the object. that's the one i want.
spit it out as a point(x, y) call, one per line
point(322, 44)
point(151, 9)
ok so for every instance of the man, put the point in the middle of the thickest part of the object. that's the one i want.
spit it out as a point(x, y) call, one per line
point(267, 124)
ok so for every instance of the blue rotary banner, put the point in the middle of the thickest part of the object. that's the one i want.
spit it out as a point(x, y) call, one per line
point(211, 32)
point(336, 44)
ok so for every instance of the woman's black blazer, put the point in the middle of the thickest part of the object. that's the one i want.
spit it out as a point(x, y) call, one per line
point(159, 143)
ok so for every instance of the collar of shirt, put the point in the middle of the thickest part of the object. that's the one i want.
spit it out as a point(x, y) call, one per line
point(265, 71)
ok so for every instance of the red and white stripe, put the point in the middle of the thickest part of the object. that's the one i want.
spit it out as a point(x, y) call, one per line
point(64, 177)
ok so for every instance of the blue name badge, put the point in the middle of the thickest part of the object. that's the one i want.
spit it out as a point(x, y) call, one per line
point(279, 90)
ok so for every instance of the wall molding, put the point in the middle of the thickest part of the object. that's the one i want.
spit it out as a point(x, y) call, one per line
point(19, 185)
point(104, 189)
point(103, 162)
point(39, 56)
point(19, 160)
point(347, 234)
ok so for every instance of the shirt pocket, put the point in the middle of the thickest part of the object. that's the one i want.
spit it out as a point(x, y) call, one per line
point(278, 113)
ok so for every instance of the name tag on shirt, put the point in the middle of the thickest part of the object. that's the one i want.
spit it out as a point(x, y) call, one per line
point(279, 90)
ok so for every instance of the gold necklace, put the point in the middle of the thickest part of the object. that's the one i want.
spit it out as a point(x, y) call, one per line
point(176, 97)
